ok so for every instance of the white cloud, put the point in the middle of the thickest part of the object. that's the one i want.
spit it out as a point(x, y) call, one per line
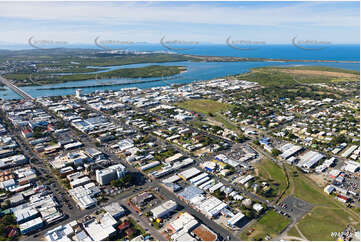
point(149, 21)
point(123, 12)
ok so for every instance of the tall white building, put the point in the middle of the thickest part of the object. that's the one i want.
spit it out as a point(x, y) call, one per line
point(105, 176)
point(78, 93)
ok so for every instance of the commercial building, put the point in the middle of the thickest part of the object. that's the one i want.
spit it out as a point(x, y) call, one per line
point(173, 158)
point(180, 164)
point(329, 189)
point(12, 161)
point(125, 144)
point(310, 159)
point(352, 166)
point(50, 214)
point(182, 236)
point(105, 176)
point(349, 151)
point(80, 182)
point(31, 225)
point(74, 145)
point(209, 166)
point(150, 165)
point(235, 219)
point(185, 221)
point(141, 199)
point(171, 179)
point(204, 233)
point(101, 227)
point(246, 179)
point(61, 233)
point(334, 173)
point(205, 186)
point(23, 215)
point(66, 171)
point(84, 195)
point(202, 181)
point(289, 150)
point(164, 209)
point(160, 173)
point(190, 192)
point(217, 186)
point(76, 158)
point(115, 209)
point(209, 206)
point(189, 173)
point(198, 178)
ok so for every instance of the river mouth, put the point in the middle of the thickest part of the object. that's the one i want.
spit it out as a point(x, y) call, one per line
point(196, 71)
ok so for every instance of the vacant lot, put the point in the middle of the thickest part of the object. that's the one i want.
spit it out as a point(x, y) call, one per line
point(210, 108)
point(272, 223)
point(204, 106)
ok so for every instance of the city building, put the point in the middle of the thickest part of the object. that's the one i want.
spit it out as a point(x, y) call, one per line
point(164, 209)
point(105, 176)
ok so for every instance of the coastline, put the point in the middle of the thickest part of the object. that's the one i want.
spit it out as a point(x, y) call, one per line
point(252, 59)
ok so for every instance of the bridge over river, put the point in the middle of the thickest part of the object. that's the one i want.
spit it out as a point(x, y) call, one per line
point(16, 89)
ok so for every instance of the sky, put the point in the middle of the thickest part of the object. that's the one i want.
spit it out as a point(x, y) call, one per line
point(204, 22)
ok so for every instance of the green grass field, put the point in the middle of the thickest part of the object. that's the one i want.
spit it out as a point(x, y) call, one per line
point(293, 232)
point(226, 123)
point(305, 190)
point(204, 106)
point(272, 173)
point(210, 108)
point(327, 215)
point(272, 223)
point(321, 222)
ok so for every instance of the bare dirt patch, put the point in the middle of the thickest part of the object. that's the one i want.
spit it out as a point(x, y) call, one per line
point(318, 179)
point(214, 122)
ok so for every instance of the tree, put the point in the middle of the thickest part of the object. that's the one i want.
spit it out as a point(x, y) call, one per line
point(338, 139)
point(292, 136)
point(4, 223)
point(125, 181)
point(220, 195)
point(250, 213)
point(276, 152)
point(118, 183)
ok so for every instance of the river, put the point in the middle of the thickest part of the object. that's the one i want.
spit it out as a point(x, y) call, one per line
point(196, 71)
